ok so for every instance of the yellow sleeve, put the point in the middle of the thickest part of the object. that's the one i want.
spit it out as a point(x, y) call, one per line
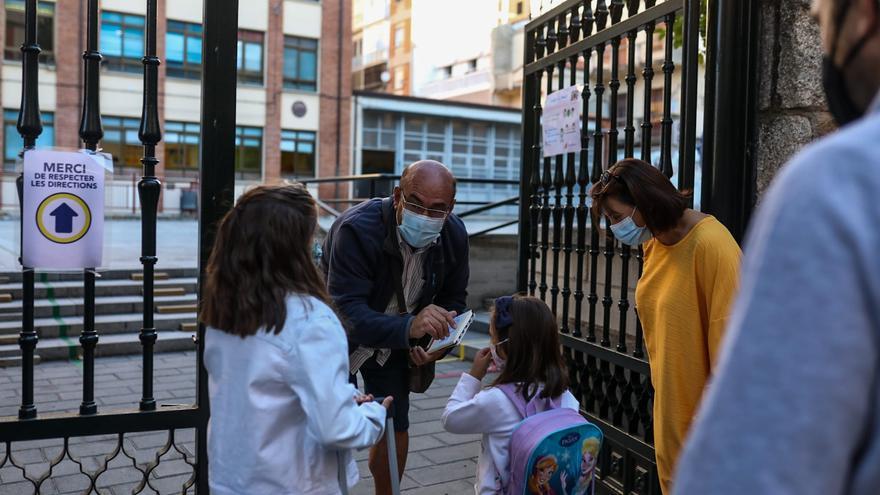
point(720, 280)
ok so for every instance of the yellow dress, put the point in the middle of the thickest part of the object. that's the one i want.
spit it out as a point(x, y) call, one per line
point(684, 298)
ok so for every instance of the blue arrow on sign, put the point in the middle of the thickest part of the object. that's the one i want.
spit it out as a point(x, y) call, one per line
point(63, 218)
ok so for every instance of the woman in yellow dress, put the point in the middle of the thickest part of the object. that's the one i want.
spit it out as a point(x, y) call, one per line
point(684, 296)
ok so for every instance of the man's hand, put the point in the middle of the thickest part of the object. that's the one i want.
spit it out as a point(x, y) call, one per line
point(421, 357)
point(434, 321)
point(481, 364)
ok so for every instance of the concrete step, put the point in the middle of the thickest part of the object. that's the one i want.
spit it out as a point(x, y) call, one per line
point(15, 362)
point(71, 326)
point(5, 297)
point(109, 287)
point(45, 308)
point(108, 345)
point(112, 274)
point(189, 327)
point(156, 276)
point(480, 324)
point(11, 316)
point(176, 308)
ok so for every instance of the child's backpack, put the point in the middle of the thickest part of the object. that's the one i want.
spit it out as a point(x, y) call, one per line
point(553, 451)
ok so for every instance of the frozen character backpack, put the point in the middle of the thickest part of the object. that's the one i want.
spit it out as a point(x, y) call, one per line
point(553, 450)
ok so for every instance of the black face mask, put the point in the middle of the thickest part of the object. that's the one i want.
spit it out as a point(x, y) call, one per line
point(840, 103)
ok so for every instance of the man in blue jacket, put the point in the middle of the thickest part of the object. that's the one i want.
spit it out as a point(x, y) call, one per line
point(397, 270)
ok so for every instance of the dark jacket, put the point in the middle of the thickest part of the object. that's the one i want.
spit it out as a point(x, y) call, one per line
point(358, 253)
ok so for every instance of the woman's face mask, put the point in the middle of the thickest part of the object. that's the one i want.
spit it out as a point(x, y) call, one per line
point(499, 362)
point(627, 232)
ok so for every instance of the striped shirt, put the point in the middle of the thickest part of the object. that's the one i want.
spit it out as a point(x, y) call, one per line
point(413, 284)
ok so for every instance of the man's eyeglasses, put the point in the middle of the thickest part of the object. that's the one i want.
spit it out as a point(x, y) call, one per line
point(421, 210)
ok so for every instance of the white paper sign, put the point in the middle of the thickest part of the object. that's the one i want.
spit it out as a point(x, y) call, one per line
point(561, 122)
point(63, 214)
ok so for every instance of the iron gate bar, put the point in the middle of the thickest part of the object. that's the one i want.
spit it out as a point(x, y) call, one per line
point(90, 132)
point(29, 127)
point(216, 169)
point(688, 135)
point(648, 78)
point(636, 22)
point(668, 68)
point(61, 425)
point(149, 189)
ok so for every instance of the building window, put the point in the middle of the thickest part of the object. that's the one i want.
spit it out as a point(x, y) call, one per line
point(15, 30)
point(472, 65)
point(399, 36)
point(183, 50)
point(300, 63)
point(122, 41)
point(519, 8)
point(250, 57)
point(248, 149)
point(13, 143)
point(181, 145)
point(121, 140)
point(446, 71)
point(298, 153)
point(399, 77)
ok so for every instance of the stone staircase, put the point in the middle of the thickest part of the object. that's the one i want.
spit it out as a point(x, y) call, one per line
point(58, 310)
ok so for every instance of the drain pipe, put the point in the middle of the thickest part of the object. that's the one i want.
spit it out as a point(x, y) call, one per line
point(339, 92)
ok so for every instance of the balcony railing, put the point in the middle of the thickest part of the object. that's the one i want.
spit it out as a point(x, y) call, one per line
point(369, 186)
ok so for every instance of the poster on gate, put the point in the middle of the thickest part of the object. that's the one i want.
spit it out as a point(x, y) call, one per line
point(561, 122)
point(63, 209)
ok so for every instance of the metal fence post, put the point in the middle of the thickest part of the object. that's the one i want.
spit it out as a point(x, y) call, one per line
point(216, 170)
point(29, 127)
point(149, 189)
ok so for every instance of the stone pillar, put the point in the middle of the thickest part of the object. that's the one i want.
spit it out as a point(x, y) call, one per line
point(274, 76)
point(791, 108)
point(334, 136)
point(69, 44)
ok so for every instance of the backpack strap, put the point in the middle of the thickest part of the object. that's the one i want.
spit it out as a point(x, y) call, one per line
point(519, 402)
point(529, 408)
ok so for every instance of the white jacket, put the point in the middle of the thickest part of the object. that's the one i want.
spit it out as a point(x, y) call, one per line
point(282, 407)
point(472, 409)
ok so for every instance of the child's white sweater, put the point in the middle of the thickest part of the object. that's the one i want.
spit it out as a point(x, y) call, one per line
point(473, 410)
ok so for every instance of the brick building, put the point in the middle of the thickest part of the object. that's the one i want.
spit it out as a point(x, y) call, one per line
point(293, 103)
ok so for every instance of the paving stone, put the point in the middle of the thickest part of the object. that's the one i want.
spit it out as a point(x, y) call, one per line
point(425, 415)
point(427, 442)
point(175, 383)
point(455, 438)
point(451, 453)
point(433, 403)
point(425, 428)
point(20, 488)
point(451, 488)
point(454, 471)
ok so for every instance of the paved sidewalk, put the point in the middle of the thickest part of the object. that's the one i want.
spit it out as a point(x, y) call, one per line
point(439, 462)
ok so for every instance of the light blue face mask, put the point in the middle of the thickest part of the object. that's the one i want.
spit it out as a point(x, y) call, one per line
point(627, 232)
point(419, 230)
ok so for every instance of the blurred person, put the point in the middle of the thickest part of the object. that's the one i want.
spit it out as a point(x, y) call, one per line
point(684, 296)
point(397, 270)
point(282, 407)
point(795, 405)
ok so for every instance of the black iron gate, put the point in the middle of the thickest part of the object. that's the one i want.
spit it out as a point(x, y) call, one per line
point(624, 52)
point(217, 185)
